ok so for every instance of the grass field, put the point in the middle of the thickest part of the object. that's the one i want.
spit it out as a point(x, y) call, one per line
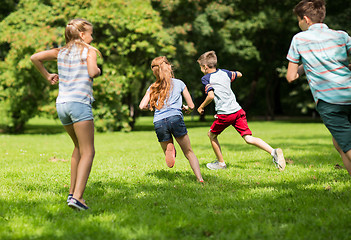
point(133, 195)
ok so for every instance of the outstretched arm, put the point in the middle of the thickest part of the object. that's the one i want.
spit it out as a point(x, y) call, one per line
point(144, 104)
point(208, 100)
point(188, 100)
point(38, 60)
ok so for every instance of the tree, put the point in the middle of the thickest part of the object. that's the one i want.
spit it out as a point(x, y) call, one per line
point(252, 36)
point(129, 35)
point(247, 35)
point(6, 7)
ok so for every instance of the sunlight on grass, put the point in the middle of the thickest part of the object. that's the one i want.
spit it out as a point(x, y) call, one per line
point(133, 195)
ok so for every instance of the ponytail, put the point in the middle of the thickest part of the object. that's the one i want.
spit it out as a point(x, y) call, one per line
point(160, 90)
point(72, 34)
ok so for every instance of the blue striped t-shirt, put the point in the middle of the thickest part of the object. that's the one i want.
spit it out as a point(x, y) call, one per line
point(75, 84)
point(324, 53)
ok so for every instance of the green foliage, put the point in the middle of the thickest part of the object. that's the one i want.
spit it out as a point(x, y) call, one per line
point(129, 40)
point(248, 35)
point(338, 16)
point(129, 35)
point(251, 36)
point(22, 88)
point(6, 7)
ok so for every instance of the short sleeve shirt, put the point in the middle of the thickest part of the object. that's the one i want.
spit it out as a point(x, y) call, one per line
point(173, 105)
point(75, 84)
point(220, 83)
point(324, 54)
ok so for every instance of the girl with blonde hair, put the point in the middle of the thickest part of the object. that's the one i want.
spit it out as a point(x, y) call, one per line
point(164, 97)
point(77, 66)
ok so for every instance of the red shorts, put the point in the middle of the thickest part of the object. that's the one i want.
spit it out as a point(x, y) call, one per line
point(237, 120)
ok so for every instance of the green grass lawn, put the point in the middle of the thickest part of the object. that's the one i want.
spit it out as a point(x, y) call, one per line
point(133, 195)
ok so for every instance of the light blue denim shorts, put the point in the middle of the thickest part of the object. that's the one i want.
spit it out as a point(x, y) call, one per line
point(72, 112)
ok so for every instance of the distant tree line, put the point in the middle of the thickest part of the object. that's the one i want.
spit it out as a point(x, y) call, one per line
point(251, 36)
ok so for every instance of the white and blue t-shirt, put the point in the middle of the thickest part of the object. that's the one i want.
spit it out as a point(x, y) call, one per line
point(173, 105)
point(75, 84)
point(219, 82)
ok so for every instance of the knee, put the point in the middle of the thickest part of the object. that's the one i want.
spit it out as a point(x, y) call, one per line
point(187, 150)
point(90, 153)
point(188, 153)
point(248, 139)
point(211, 135)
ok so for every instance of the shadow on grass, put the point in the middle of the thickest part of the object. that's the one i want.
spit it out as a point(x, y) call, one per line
point(194, 123)
point(181, 209)
point(304, 153)
point(177, 207)
point(171, 175)
point(55, 127)
point(43, 129)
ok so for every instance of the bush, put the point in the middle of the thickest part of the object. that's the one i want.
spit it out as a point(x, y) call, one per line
point(129, 35)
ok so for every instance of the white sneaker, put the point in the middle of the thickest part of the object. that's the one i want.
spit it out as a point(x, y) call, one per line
point(278, 159)
point(216, 165)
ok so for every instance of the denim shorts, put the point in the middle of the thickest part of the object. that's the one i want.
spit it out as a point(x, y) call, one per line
point(72, 112)
point(173, 125)
point(336, 118)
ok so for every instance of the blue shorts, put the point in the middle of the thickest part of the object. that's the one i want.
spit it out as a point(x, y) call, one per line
point(72, 112)
point(173, 125)
point(336, 118)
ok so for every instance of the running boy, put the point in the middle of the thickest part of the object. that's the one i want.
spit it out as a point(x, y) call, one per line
point(217, 87)
point(324, 54)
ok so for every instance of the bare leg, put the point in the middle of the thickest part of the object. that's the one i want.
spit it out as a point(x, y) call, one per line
point(184, 143)
point(82, 134)
point(215, 146)
point(258, 142)
point(346, 157)
point(75, 157)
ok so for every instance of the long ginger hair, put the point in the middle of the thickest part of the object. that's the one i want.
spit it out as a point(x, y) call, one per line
point(159, 90)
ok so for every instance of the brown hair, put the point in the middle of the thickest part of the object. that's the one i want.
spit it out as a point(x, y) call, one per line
point(313, 9)
point(159, 90)
point(208, 58)
point(72, 34)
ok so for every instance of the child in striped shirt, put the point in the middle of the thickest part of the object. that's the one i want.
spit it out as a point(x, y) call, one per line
point(77, 66)
point(324, 54)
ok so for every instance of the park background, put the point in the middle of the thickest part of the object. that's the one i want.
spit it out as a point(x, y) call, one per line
point(131, 193)
point(251, 36)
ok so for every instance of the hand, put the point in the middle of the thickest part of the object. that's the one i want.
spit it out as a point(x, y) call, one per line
point(53, 78)
point(187, 109)
point(200, 110)
point(100, 67)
